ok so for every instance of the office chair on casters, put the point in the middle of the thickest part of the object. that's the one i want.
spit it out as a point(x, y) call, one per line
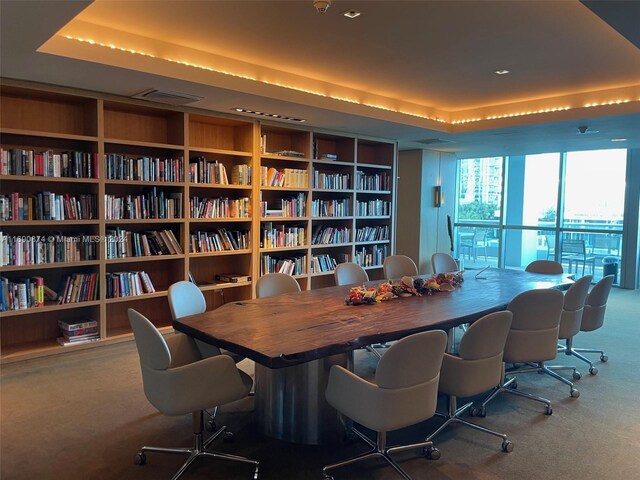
point(405, 392)
point(443, 263)
point(592, 319)
point(476, 369)
point(185, 298)
point(533, 337)
point(398, 266)
point(544, 266)
point(275, 284)
point(176, 382)
point(349, 273)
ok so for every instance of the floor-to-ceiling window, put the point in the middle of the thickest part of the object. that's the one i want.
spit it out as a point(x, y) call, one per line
point(567, 207)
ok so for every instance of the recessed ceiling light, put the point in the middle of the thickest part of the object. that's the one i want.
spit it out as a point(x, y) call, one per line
point(618, 139)
point(501, 72)
point(264, 114)
point(352, 13)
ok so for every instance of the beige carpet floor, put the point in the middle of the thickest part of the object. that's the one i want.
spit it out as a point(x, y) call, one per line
point(83, 415)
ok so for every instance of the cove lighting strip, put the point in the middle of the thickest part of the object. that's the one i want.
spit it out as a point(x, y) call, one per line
point(344, 99)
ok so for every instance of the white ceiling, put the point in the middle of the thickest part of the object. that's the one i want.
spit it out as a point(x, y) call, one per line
point(436, 58)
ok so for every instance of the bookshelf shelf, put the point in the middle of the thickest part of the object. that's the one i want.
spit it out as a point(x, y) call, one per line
point(135, 139)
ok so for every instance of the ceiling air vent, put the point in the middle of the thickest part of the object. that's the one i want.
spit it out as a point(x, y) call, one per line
point(165, 96)
point(435, 141)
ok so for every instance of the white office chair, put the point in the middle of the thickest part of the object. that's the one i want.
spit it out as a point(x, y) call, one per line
point(349, 273)
point(592, 319)
point(177, 382)
point(398, 266)
point(544, 266)
point(404, 392)
point(476, 369)
point(443, 263)
point(276, 284)
point(533, 337)
point(185, 298)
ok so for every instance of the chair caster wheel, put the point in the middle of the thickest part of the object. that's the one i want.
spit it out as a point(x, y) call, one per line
point(228, 437)
point(432, 453)
point(211, 426)
point(480, 412)
point(140, 458)
point(507, 446)
point(576, 375)
point(514, 385)
point(327, 477)
point(549, 411)
point(574, 393)
point(593, 370)
point(604, 358)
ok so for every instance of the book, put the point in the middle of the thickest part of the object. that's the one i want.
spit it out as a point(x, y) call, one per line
point(232, 278)
point(77, 325)
point(66, 343)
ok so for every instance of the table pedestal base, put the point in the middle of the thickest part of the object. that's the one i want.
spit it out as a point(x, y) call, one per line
point(291, 406)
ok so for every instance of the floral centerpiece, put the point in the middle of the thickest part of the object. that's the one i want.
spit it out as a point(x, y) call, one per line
point(407, 287)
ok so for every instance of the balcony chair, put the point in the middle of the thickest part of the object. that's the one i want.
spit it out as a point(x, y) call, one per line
point(185, 298)
point(544, 266)
point(476, 369)
point(176, 382)
point(398, 266)
point(275, 284)
point(576, 251)
point(404, 392)
point(443, 263)
point(550, 241)
point(474, 243)
point(533, 337)
point(592, 319)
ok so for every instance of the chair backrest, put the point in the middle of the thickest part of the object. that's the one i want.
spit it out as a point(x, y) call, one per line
point(533, 336)
point(398, 266)
point(443, 263)
point(152, 348)
point(185, 298)
point(276, 284)
point(413, 360)
point(349, 273)
point(596, 304)
point(478, 366)
point(573, 307)
point(544, 266)
point(570, 245)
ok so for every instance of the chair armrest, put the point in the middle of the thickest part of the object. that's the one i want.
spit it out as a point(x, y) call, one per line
point(210, 382)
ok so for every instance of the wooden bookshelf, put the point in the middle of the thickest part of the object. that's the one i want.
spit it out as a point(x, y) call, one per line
point(140, 146)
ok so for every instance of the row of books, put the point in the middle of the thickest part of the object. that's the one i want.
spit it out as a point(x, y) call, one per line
point(219, 241)
point(71, 164)
point(21, 294)
point(323, 263)
point(41, 249)
point(221, 207)
point(151, 204)
point(318, 155)
point(331, 208)
point(79, 287)
point(372, 256)
point(148, 169)
point(331, 181)
point(202, 170)
point(378, 181)
point(290, 265)
point(78, 332)
point(373, 208)
point(330, 235)
point(128, 284)
point(47, 206)
point(122, 243)
point(288, 207)
point(373, 233)
point(281, 236)
point(287, 177)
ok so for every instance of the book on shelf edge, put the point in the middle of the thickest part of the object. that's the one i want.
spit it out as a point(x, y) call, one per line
point(77, 325)
point(65, 343)
point(232, 278)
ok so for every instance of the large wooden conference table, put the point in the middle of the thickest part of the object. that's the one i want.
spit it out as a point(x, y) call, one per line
point(295, 339)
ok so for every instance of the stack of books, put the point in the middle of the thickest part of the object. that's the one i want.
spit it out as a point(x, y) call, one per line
point(75, 333)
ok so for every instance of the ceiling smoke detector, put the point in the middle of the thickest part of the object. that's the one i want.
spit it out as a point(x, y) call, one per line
point(321, 5)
